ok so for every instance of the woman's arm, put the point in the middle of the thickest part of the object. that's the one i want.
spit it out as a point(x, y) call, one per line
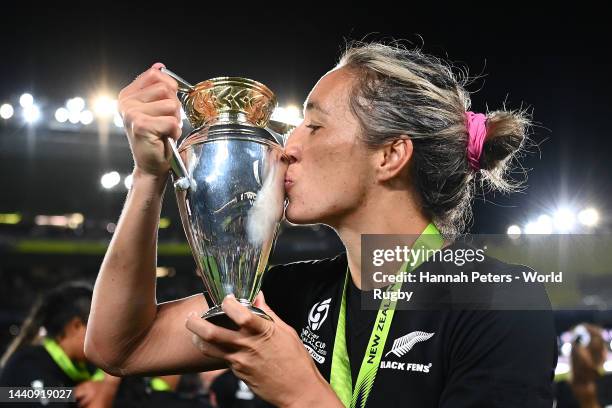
point(128, 332)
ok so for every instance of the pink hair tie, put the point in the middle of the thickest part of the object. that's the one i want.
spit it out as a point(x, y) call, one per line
point(477, 132)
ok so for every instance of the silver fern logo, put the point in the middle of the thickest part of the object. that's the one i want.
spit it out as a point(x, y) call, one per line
point(405, 343)
point(318, 314)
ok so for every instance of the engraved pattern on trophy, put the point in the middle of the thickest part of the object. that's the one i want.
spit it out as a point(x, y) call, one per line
point(230, 194)
point(230, 100)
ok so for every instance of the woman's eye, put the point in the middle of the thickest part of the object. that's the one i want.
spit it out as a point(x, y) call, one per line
point(313, 128)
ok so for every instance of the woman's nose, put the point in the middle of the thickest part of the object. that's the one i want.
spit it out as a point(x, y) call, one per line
point(292, 149)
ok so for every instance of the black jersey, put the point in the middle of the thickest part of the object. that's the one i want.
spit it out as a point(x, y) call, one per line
point(467, 358)
point(32, 366)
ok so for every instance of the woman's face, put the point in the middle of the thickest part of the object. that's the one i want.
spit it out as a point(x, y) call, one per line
point(330, 169)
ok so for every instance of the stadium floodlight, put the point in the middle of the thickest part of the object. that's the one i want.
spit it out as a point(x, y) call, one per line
point(74, 117)
point(290, 114)
point(562, 368)
point(564, 219)
point(127, 181)
point(86, 117)
point(31, 114)
point(74, 221)
point(26, 100)
point(110, 180)
point(543, 225)
point(588, 217)
point(61, 115)
point(514, 231)
point(104, 106)
point(75, 104)
point(531, 228)
point(6, 111)
point(566, 349)
point(293, 114)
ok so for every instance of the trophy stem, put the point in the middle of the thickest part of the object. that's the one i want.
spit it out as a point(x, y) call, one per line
point(217, 316)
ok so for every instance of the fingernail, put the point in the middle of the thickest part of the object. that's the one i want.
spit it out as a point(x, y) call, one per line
point(158, 65)
point(231, 295)
point(190, 315)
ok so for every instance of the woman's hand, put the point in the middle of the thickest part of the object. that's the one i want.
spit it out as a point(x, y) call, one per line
point(267, 355)
point(151, 112)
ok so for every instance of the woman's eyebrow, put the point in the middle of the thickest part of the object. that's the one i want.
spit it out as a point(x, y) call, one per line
point(311, 105)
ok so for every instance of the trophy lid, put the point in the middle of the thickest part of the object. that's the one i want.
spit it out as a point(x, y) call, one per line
point(229, 100)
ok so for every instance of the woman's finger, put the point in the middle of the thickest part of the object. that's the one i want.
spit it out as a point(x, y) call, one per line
point(161, 107)
point(210, 349)
point(212, 333)
point(150, 76)
point(260, 302)
point(143, 125)
point(243, 317)
point(153, 92)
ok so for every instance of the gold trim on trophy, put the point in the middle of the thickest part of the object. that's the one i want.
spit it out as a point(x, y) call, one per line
point(229, 100)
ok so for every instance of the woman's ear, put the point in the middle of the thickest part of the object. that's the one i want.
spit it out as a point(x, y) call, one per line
point(393, 158)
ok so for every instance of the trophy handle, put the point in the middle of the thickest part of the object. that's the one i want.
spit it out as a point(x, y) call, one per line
point(177, 166)
point(184, 86)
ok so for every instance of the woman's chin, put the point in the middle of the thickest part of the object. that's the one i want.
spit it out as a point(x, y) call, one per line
point(295, 216)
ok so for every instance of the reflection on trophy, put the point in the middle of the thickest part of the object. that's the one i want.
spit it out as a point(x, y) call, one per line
point(229, 181)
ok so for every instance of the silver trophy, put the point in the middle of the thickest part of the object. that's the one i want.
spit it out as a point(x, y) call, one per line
point(228, 177)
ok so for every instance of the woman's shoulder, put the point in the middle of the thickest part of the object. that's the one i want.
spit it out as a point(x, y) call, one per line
point(316, 270)
point(476, 280)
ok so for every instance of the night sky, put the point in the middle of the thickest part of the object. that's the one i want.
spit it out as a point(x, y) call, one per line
point(556, 62)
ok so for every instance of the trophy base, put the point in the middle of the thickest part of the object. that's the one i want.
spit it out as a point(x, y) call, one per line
point(217, 316)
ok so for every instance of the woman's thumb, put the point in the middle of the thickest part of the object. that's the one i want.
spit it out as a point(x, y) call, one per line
point(260, 302)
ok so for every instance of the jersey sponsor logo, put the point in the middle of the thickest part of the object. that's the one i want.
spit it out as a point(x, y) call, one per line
point(401, 346)
point(318, 314)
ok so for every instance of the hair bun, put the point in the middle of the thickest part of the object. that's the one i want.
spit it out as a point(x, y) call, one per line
point(505, 135)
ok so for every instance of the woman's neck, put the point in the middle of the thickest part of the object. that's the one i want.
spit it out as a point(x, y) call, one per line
point(394, 214)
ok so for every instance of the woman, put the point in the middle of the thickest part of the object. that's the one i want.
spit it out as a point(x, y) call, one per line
point(58, 358)
point(386, 147)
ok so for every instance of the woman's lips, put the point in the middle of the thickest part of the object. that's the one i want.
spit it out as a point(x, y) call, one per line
point(288, 184)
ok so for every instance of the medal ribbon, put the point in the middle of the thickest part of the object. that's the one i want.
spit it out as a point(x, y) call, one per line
point(340, 378)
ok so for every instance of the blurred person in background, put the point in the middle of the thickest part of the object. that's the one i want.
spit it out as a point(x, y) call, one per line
point(587, 385)
point(49, 349)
